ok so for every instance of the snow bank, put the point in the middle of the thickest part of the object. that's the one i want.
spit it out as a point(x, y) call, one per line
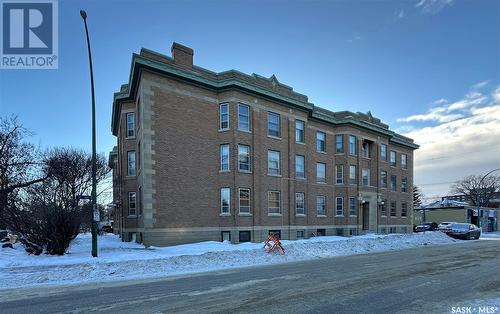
point(124, 260)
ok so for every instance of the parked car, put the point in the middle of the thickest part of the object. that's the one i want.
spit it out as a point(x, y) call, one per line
point(464, 231)
point(426, 226)
point(445, 226)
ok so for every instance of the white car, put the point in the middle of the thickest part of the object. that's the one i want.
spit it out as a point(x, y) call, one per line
point(445, 226)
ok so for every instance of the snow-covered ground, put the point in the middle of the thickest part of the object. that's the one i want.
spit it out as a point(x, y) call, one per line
point(124, 260)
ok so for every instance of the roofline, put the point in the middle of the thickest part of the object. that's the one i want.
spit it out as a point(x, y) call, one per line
point(140, 63)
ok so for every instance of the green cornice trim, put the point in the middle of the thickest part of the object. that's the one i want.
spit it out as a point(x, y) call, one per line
point(140, 63)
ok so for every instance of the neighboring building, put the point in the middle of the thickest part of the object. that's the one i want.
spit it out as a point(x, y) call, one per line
point(229, 156)
point(455, 211)
point(494, 200)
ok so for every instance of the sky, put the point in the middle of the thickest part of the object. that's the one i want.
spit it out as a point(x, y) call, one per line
point(428, 68)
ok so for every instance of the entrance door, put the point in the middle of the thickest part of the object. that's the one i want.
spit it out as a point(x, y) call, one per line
point(366, 216)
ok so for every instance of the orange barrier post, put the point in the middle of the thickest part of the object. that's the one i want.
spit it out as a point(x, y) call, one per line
point(272, 242)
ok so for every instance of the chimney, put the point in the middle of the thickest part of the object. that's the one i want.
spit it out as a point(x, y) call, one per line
point(182, 55)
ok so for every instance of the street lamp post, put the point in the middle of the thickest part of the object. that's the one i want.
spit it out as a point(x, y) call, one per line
point(477, 195)
point(95, 214)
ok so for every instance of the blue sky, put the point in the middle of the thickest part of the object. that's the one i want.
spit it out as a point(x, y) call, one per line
point(408, 62)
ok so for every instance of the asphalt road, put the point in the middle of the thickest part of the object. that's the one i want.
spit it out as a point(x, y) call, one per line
point(429, 279)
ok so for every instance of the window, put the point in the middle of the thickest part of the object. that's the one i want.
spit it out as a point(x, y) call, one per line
point(352, 206)
point(273, 124)
point(300, 234)
point(320, 232)
point(339, 174)
point(320, 141)
point(299, 131)
point(393, 209)
point(244, 236)
point(244, 201)
point(383, 179)
point(393, 184)
point(273, 163)
point(392, 158)
point(300, 203)
point(224, 116)
point(273, 202)
point(244, 158)
point(226, 236)
point(320, 172)
point(383, 208)
point(352, 174)
point(404, 209)
point(132, 204)
point(339, 206)
point(131, 163)
point(320, 205)
point(243, 117)
point(352, 145)
point(339, 143)
point(130, 124)
point(383, 152)
point(366, 176)
point(299, 166)
point(404, 184)
point(365, 149)
point(404, 159)
point(225, 201)
point(224, 157)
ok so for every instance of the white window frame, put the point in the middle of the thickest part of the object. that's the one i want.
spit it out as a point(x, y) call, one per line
point(320, 212)
point(297, 208)
point(269, 114)
point(276, 210)
point(392, 161)
point(249, 211)
point(130, 125)
point(383, 152)
point(240, 163)
point(243, 115)
point(404, 161)
point(352, 209)
point(221, 157)
point(131, 164)
point(300, 131)
point(352, 146)
point(404, 183)
point(269, 172)
point(339, 180)
point(365, 171)
point(221, 115)
point(321, 149)
point(395, 209)
point(298, 174)
point(352, 180)
point(319, 179)
point(384, 184)
point(395, 189)
point(341, 203)
point(341, 151)
point(405, 211)
point(132, 211)
point(222, 211)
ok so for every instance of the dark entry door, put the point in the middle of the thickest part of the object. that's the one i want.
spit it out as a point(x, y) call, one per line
point(366, 216)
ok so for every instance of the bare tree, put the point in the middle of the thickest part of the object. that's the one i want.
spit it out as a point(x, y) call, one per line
point(50, 216)
point(417, 197)
point(477, 192)
point(19, 162)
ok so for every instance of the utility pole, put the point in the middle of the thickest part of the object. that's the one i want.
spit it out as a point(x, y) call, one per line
point(95, 215)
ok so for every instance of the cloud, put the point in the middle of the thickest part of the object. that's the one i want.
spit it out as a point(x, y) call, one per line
point(400, 14)
point(454, 148)
point(356, 38)
point(433, 6)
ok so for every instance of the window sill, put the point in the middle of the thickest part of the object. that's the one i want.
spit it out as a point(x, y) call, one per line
point(274, 137)
point(300, 143)
point(245, 171)
point(223, 130)
point(274, 175)
point(224, 171)
point(339, 216)
point(245, 131)
point(353, 216)
point(340, 154)
point(339, 184)
point(300, 178)
point(300, 215)
point(369, 158)
point(353, 155)
point(245, 214)
point(224, 215)
point(130, 137)
point(321, 152)
point(320, 182)
point(321, 216)
point(132, 216)
point(275, 215)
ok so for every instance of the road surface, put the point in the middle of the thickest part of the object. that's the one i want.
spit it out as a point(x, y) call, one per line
point(420, 280)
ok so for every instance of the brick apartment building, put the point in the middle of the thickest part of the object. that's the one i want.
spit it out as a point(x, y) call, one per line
point(229, 156)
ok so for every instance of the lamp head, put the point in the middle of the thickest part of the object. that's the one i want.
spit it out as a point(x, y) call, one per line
point(83, 14)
